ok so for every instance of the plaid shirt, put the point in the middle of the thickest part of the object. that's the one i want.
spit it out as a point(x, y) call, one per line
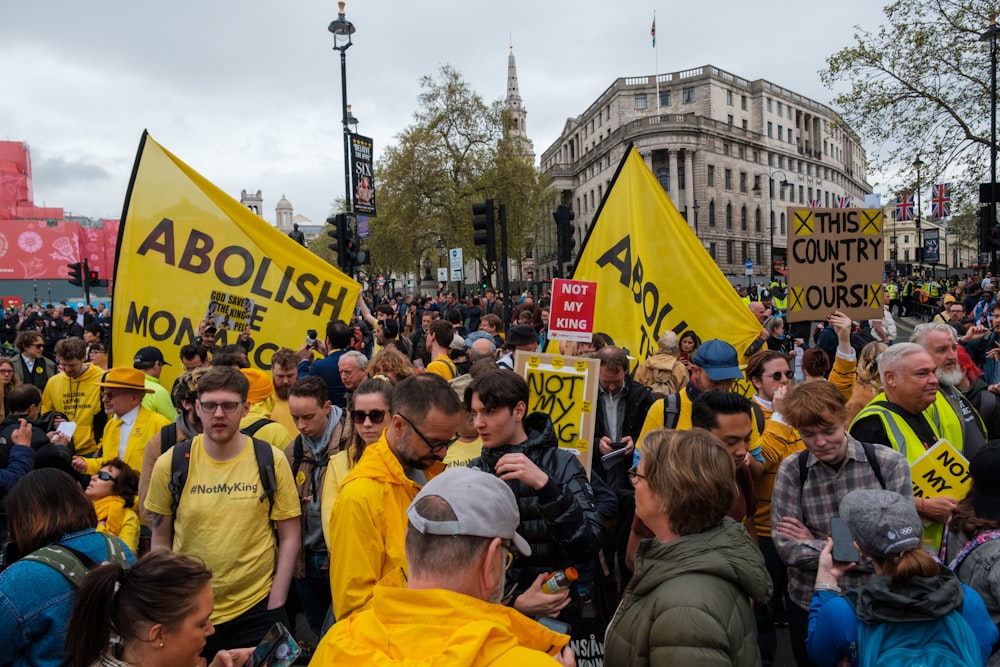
point(818, 500)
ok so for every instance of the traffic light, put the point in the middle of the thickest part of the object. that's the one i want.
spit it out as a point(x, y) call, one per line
point(76, 276)
point(484, 230)
point(565, 236)
point(354, 254)
point(339, 234)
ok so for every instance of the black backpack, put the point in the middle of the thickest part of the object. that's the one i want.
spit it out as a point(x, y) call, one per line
point(180, 463)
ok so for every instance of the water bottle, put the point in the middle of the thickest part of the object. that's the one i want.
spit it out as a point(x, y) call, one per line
point(559, 581)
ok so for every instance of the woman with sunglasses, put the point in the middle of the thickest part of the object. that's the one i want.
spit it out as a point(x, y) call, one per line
point(113, 490)
point(371, 406)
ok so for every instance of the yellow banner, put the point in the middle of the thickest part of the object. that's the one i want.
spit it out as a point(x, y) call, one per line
point(186, 248)
point(653, 272)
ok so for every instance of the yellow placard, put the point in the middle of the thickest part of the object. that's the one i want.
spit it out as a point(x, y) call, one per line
point(941, 471)
point(654, 273)
point(186, 248)
point(564, 388)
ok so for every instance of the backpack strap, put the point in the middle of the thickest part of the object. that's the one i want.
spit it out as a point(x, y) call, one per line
point(252, 429)
point(168, 436)
point(758, 415)
point(180, 462)
point(298, 454)
point(73, 564)
point(671, 410)
point(265, 469)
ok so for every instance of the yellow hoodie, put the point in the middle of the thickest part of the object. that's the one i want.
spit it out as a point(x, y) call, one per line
point(79, 399)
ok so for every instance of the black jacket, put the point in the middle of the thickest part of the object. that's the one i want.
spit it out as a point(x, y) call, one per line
point(560, 521)
point(636, 401)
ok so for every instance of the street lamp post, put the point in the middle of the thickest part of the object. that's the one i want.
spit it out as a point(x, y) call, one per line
point(784, 183)
point(342, 30)
point(695, 208)
point(991, 36)
point(918, 164)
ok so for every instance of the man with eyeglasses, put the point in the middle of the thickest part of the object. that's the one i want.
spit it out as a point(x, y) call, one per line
point(559, 517)
point(322, 433)
point(222, 517)
point(369, 517)
point(31, 365)
point(460, 535)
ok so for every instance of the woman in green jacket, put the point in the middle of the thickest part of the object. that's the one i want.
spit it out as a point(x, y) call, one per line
point(688, 602)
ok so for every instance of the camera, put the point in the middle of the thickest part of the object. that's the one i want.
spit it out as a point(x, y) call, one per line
point(311, 338)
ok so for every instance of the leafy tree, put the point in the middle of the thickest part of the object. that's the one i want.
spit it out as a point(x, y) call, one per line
point(920, 84)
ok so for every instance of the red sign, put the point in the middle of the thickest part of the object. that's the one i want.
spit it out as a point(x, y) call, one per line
point(572, 313)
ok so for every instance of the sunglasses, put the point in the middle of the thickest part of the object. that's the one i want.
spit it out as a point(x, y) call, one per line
point(105, 476)
point(435, 446)
point(376, 416)
point(776, 376)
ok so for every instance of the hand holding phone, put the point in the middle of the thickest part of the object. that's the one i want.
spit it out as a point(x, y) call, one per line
point(844, 550)
point(277, 649)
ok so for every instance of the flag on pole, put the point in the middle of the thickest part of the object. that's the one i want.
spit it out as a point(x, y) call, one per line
point(904, 207)
point(642, 253)
point(941, 200)
point(843, 201)
point(814, 203)
point(652, 32)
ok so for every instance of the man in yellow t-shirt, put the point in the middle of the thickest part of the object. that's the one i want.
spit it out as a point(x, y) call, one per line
point(224, 518)
point(439, 343)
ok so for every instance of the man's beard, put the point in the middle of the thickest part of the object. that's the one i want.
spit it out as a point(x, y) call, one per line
point(282, 392)
point(950, 378)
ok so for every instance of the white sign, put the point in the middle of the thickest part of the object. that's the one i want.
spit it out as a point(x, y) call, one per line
point(442, 274)
point(458, 275)
point(455, 259)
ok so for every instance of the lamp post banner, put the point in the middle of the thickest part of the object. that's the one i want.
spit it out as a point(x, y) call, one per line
point(362, 175)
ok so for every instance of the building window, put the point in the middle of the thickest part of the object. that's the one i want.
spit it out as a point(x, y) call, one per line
point(781, 132)
point(664, 98)
point(711, 176)
point(729, 97)
point(770, 129)
point(781, 194)
point(729, 252)
point(729, 179)
point(687, 95)
point(782, 232)
point(663, 176)
point(745, 250)
point(730, 119)
point(743, 181)
point(743, 218)
point(640, 101)
point(713, 250)
point(770, 159)
point(729, 216)
point(756, 220)
point(711, 214)
point(801, 195)
point(741, 152)
point(769, 105)
point(906, 238)
point(743, 102)
point(760, 254)
point(906, 255)
point(779, 108)
point(725, 148)
point(681, 175)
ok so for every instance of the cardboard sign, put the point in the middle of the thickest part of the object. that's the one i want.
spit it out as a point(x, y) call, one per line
point(565, 388)
point(941, 471)
point(571, 316)
point(835, 263)
point(229, 311)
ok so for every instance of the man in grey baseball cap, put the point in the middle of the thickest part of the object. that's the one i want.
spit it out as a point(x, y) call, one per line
point(459, 541)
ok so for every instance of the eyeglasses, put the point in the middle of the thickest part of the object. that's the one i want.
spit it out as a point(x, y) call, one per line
point(776, 376)
point(376, 416)
point(435, 446)
point(510, 556)
point(40, 346)
point(105, 476)
point(210, 407)
point(634, 476)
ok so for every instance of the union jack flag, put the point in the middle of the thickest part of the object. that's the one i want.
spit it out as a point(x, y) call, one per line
point(904, 207)
point(843, 202)
point(814, 203)
point(941, 200)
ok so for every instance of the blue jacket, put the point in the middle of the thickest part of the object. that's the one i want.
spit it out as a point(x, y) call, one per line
point(36, 603)
point(20, 462)
point(833, 626)
point(328, 368)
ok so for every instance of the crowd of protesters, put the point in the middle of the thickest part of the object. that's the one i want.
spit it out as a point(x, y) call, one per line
point(389, 480)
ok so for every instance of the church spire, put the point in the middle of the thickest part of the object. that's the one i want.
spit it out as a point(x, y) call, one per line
point(516, 114)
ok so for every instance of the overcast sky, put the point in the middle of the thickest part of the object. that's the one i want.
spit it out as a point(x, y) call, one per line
point(248, 93)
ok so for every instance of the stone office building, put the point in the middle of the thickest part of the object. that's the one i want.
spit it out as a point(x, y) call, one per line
point(732, 154)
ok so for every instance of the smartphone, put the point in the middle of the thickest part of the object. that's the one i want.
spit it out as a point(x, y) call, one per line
point(844, 550)
point(555, 625)
point(277, 649)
